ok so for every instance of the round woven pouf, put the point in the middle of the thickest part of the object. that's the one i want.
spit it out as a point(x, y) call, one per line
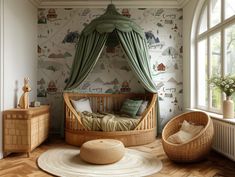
point(102, 151)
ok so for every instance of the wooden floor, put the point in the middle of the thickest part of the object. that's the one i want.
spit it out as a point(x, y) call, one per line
point(215, 165)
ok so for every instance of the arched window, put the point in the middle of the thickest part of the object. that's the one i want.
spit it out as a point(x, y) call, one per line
point(215, 50)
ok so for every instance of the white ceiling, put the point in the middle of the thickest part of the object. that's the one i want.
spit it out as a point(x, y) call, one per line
point(104, 3)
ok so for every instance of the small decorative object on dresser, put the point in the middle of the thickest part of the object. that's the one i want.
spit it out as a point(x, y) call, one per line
point(35, 104)
point(24, 99)
point(25, 129)
point(227, 85)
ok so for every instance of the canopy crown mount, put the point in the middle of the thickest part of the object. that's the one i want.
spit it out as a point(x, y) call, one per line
point(112, 20)
point(111, 10)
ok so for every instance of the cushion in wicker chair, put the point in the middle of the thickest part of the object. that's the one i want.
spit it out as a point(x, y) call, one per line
point(186, 133)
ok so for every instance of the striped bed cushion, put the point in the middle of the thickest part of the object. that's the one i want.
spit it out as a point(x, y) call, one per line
point(130, 107)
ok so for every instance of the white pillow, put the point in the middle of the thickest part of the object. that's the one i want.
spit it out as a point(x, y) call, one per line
point(142, 108)
point(82, 105)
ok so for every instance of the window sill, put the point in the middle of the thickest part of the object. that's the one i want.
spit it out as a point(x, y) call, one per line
point(215, 116)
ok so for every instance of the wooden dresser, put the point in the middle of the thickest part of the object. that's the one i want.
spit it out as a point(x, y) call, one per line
point(25, 129)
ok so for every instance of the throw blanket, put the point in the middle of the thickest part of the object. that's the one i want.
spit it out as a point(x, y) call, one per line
point(107, 122)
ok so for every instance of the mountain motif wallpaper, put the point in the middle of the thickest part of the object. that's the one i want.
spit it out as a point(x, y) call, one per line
point(58, 32)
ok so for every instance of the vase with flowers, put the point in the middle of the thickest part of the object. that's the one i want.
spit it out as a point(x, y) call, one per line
point(227, 85)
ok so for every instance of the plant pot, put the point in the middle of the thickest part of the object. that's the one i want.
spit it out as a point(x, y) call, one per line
point(228, 108)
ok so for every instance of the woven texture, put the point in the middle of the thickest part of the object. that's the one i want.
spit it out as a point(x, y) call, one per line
point(102, 151)
point(195, 149)
point(67, 163)
point(25, 129)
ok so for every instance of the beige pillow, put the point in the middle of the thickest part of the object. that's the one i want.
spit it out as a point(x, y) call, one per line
point(190, 128)
point(186, 132)
point(142, 108)
point(180, 137)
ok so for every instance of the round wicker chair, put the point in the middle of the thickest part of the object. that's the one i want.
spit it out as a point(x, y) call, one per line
point(195, 149)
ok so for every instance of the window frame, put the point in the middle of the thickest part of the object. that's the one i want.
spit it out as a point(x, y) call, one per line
point(206, 35)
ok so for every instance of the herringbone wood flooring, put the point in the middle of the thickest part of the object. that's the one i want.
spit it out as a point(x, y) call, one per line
point(215, 165)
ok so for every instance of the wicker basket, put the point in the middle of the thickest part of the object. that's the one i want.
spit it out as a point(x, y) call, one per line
point(195, 149)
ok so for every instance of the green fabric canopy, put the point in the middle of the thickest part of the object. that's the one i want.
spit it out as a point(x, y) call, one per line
point(92, 42)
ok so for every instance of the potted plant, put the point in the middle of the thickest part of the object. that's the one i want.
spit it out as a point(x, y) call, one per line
point(227, 85)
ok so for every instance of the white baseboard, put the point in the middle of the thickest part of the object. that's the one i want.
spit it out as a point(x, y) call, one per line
point(1, 155)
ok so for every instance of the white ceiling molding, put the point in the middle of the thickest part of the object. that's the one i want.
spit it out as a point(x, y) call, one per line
point(182, 3)
point(104, 3)
point(36, 2)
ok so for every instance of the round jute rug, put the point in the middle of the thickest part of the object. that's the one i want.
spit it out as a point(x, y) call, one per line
point(66, 162)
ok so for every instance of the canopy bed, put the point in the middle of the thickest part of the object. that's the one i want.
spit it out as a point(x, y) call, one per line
point(91, 43)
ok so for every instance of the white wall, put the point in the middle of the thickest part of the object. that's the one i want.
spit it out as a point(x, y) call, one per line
point(190, 14)
point(1, 73)
point(19, 49)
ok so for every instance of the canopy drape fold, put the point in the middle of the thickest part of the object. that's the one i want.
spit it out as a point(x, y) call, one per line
point(87, 54)
point(135, 48)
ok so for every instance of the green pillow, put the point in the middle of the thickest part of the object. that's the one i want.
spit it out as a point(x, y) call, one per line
point(130, 107)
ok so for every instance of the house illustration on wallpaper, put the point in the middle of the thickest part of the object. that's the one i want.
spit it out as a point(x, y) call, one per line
point(51, 14)
point(125, 86)
point(161, 67)
point(125, 12)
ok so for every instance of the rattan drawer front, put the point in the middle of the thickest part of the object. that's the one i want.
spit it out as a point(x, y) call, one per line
point(25, 129)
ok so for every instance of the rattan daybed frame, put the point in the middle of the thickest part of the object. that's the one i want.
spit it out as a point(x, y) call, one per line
point(76, 133)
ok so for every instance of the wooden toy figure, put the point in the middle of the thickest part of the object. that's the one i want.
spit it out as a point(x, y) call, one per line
point(24, 99)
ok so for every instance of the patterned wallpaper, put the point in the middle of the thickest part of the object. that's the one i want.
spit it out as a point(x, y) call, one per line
point(58, 32)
